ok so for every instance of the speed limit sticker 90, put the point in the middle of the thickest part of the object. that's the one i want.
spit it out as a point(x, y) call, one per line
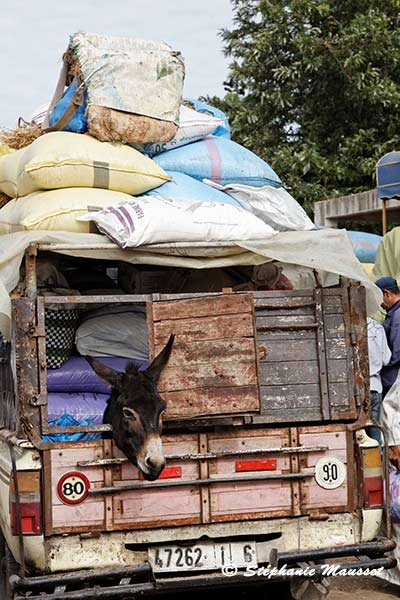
point(73, 487)
point(330, 472)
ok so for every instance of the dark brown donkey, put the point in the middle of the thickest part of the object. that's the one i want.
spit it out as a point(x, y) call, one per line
point(134, 411)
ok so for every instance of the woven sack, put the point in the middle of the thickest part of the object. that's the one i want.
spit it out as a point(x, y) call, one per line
point(61, 327)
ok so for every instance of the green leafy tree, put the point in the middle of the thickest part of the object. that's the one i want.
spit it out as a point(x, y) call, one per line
point(314, 89)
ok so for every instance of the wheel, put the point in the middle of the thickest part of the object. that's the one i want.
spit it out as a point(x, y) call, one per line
point(8, 567)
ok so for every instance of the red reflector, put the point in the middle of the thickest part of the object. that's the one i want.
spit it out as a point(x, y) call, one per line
point(30, 518)
point(373, 487)
point(168, 473)
point(255, 465)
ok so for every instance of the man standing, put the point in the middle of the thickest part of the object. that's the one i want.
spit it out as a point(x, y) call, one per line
point(379, 356)
point(391, 303)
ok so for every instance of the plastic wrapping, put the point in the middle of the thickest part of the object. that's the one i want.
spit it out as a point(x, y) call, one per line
point(76, 375)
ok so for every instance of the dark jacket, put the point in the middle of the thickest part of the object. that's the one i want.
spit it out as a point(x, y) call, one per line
point(392, 328)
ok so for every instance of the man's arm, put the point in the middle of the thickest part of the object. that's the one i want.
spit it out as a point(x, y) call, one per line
point(395, 341)
point(385, 350)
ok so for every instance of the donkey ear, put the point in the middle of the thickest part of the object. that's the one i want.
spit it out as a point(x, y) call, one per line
point(155, 369)
point(107, 373)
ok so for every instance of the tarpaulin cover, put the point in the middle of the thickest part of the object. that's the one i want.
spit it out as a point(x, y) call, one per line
point(388, 176)
point(325, 250)
point(76, 375)
point(365, 245)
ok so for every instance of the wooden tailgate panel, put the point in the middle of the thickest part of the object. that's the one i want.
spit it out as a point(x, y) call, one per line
point(306, 373)
point(212, 369)
point(249, 500)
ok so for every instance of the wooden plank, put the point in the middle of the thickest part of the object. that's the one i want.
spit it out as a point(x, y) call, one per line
point(289, 396)
point(334, 326)
point(295, 415)
point(289, 336)
point(285, 312)
point(220, 351)
point(212, 401)
point(209, 328)
point(203, 307)
point(212, 374)
point(299, 350)
point(289, 319)
point(336, 348)
point(289, 373)
point(337, 371)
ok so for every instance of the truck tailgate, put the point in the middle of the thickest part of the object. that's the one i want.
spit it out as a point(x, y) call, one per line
point(210, 477)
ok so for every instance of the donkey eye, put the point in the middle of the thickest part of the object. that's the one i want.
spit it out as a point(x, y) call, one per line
point(129, 414)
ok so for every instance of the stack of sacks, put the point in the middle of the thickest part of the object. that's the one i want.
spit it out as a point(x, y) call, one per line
point(61, 174)
point(76, 394)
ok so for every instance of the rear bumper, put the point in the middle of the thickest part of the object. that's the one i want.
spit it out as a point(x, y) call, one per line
point(122, 582)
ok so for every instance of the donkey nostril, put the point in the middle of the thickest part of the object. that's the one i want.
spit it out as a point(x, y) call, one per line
point(149, 462)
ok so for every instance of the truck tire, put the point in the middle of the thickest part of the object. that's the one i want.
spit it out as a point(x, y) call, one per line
point(8, 567)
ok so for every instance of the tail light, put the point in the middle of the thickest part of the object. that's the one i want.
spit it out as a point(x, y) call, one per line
point(373, 477)
point(28, 483)
point(255, 465)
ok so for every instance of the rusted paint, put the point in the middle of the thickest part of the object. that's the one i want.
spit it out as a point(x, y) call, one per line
point(209, 375)
point(211, 401)
point(207, 328)
point(224, 304)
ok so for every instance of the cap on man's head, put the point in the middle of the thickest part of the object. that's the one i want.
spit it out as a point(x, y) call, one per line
point(386, 283)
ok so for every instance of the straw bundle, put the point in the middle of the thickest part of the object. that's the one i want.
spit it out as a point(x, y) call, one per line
point(21, 136)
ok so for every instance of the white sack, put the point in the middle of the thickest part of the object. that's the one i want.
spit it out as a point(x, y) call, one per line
point(152, 220)
point(192, 126)
point(114, 331)
point(274, 206)
point(390, 416)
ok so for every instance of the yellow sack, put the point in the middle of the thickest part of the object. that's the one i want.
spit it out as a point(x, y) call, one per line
point(55, 210)
point(63, 160)
point(9, 172)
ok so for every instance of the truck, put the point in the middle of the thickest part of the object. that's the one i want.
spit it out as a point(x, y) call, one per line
point(268, 462)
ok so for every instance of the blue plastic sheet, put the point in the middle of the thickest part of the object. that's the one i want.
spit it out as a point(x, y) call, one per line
point(220, 160)
point(78, 122)
point(66, 421)
point(183, 187)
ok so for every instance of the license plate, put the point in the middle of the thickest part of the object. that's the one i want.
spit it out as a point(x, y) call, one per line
point(202, 556)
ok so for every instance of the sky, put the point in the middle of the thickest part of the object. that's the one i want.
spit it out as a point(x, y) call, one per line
point(34, 35)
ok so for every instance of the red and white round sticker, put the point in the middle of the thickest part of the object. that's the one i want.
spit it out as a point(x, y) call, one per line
point(73, 487)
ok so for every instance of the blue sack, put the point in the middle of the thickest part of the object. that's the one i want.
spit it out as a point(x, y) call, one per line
point(221, 160)
point(183, 187)
point(203, 107)
point(365, 245)
point(78, 122)
point(67, 421)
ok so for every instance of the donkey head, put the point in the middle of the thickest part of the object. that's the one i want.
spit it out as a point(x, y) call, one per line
point(134, 411)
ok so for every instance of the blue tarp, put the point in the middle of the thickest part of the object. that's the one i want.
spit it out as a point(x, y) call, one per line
point(388, 176)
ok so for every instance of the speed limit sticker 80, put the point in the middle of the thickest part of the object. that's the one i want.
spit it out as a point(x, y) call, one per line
point(73, 487)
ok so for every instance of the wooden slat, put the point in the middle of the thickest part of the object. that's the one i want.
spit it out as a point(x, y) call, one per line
point(218, 351)
point(207, 328)
point(203, 307)
point(289, 373)
point(211, 374)
point(299, 350)
point(289, 396)
point(211, 401)
point(337, 371)
point(288, 319)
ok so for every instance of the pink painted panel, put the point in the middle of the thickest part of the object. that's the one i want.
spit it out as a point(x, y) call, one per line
point(249, 498)
point(313, 495)
point(91, 511)
point(157, 506)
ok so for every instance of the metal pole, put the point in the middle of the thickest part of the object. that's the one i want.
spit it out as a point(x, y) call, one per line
point(384, 216)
